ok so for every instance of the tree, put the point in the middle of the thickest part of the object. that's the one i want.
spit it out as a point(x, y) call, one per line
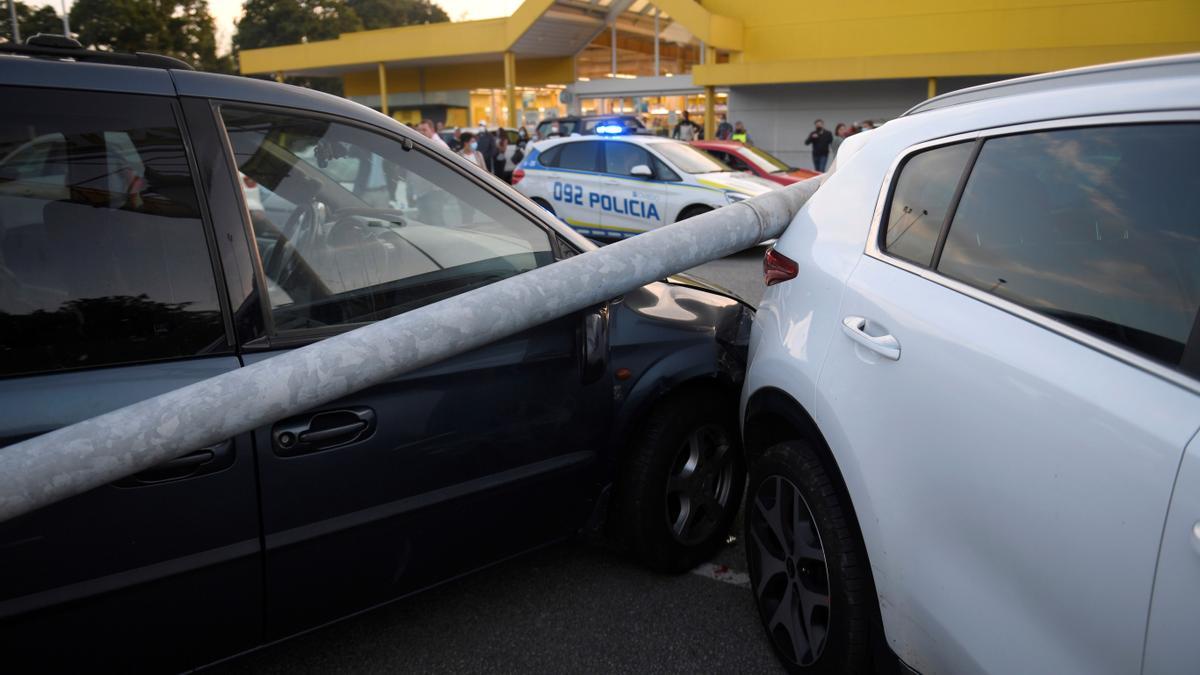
point(390, 13)
point(270, 23)
point(31, 21)
point(180, 28)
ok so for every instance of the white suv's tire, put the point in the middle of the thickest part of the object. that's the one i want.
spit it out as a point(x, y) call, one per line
point(808, 566)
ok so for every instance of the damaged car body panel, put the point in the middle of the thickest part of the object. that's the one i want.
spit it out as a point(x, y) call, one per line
point(670, 335)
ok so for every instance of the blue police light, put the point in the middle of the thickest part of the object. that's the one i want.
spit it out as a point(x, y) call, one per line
point(610, 129)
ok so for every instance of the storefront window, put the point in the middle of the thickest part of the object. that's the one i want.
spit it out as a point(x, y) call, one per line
point(678, 49)
point(658, 113)
point(534, 104)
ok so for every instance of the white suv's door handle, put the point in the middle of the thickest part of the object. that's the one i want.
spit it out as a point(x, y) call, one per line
point(886, 346)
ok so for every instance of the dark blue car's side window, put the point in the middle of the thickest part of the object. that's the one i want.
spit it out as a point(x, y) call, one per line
point(351, 227)
point(103, 258)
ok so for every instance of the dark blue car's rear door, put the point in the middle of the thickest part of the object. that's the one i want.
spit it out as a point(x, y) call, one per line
point(429, 475)
point(465, 464)
point(108, 296)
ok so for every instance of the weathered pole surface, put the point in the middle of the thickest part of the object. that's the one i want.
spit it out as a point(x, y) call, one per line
point(97, 451)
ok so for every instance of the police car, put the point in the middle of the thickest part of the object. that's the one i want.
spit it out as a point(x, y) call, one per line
point(612, 187)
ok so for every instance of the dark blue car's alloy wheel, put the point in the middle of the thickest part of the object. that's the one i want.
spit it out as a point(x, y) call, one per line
point(700, 483)
point(788, 570)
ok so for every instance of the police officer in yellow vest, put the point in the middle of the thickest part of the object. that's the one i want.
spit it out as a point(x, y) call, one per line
point(739, 133)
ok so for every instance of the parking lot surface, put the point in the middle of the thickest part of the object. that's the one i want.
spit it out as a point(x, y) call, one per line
point(571, 607)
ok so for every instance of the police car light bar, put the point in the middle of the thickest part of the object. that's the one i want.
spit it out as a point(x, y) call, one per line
point(610, 129)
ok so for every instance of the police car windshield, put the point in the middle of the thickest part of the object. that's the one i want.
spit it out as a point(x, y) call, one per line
point(689, 159)
point(763, 160)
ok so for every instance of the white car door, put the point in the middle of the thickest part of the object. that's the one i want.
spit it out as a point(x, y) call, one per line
point(1171, 644)
point(630, 204)
point(1009, 385)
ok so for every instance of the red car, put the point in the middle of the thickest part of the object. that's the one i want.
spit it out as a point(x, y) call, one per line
point(757, 161)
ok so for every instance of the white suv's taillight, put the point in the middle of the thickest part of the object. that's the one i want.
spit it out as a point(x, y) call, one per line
point(777, 267)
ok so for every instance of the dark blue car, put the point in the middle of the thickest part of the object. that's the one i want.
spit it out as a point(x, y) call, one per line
point(159, 226)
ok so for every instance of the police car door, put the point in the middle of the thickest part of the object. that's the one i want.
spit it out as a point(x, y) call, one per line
point(632, 200)
point(575, 187)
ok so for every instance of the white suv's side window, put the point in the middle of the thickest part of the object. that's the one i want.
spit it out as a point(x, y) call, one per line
point(1097, 227)
point(352, 226)
point(922, 200)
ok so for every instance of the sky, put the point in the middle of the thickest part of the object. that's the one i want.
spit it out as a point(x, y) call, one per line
point(225, 12)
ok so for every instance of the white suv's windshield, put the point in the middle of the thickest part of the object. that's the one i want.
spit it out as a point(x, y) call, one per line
point(689, 159)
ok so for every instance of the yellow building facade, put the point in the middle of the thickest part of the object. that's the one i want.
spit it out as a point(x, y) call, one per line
point(661, 57)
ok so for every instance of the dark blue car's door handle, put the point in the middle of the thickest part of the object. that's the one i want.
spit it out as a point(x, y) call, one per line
point(338, 434)
point(322, 430)
point(201, 462)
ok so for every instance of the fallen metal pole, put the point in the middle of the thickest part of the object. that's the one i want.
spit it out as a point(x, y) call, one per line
point(97, 451)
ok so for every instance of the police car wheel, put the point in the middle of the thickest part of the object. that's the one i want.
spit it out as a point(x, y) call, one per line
point(682, 481)
point(544, 204)
point(692, 211)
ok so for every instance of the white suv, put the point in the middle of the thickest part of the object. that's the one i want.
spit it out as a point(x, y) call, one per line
point(974, 391)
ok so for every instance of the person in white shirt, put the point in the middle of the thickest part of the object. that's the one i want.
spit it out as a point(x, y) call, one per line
point(428, 130)
point(687, 130)
point(470, 149)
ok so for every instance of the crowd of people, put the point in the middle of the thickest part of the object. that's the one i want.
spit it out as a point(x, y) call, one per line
point(494, 152)
point(824, 143)
point(500, 151)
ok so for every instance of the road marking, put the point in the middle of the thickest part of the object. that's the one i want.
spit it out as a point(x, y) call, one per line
point(723, 573)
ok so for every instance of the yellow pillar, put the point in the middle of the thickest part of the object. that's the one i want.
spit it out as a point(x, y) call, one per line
point(932, 87)
point(510, 87)
point(710, 98)
point(710, 113)
point(383, 91)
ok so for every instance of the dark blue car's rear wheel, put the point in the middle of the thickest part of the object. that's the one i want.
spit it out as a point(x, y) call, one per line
point(682, 481)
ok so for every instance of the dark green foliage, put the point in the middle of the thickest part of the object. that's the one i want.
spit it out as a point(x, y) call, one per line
point(31, 21)
point(180, 28)
point(390, 13)
point(270, 23)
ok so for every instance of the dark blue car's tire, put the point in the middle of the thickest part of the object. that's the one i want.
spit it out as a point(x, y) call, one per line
point(808, 565)
point(681, 481)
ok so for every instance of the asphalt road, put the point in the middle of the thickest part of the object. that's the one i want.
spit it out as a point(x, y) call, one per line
point(567, 608)
point(572, 607)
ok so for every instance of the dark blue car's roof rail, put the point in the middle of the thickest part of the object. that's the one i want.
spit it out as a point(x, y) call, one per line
point(42, 46)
